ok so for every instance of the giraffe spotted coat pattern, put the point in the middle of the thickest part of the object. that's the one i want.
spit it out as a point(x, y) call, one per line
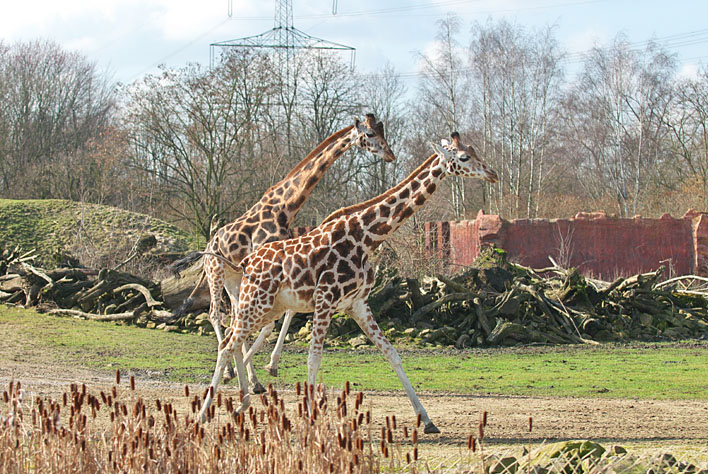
point(270, 218)
point(328, 271)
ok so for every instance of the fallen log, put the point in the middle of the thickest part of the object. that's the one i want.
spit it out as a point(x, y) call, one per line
point(428, 308)
point(142, 290)
point(176, 289)
point(95, 317)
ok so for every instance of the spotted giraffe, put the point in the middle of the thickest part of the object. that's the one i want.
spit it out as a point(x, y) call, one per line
point(270, 219)
point(327, 270)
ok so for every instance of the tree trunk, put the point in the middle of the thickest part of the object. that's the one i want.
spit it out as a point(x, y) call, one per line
point(176, 290)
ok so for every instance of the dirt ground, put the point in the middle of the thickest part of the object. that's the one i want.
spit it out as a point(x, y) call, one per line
point(626, 422)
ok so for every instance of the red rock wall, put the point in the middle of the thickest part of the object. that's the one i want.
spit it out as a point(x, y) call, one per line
point(597, 245)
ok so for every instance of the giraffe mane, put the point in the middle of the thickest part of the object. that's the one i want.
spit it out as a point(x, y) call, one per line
point(325, 143)
point(345, 211)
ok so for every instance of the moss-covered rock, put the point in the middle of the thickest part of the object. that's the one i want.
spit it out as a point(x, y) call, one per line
point(576, 456)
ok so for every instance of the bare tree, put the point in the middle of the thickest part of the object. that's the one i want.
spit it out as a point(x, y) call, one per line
point(688, 126)
point(615, 113)
point(195, 133)
point(443, 96)
point(327, 99)
point(384, 95)
point(54, 103)
point(517, 76)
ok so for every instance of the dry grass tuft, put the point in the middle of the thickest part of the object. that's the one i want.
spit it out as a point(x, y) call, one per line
point(118, 431)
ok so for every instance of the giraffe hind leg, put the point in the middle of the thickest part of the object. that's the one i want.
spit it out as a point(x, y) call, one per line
point(232, 287)
point(215, 279)
point(256, 386)
point(226, 352)
point(272, 366)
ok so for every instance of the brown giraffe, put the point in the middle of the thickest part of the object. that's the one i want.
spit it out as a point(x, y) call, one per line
point(270, 218)
point(328, 270)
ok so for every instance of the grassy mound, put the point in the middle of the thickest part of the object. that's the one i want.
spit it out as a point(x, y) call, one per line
point(91, 232)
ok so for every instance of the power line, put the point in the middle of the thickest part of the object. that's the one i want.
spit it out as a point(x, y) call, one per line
point(178, 50)
point(402, 10)
point(672, 41)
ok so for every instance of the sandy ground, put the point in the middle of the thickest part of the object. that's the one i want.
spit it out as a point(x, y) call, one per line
point(611, 421)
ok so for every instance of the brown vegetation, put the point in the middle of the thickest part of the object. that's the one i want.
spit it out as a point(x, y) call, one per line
point(119, 431)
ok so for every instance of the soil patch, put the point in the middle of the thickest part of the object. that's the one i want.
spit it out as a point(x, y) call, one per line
point(615, 421)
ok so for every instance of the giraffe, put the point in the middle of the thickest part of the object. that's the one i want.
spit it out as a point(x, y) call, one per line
point(270, 218)
point(327, 270)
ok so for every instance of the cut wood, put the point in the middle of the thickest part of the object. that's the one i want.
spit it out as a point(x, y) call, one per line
point(418, 315)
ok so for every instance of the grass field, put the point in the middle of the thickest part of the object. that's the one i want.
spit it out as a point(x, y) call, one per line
point(642, 371)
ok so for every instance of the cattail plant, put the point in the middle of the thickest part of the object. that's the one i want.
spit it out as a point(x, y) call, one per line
point(94, 431)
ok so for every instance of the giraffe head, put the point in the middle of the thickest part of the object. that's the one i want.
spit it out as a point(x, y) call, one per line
point(461, 160)
point(370, 137)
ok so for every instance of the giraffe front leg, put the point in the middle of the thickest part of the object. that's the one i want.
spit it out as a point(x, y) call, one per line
point(365, 319)
point(272, 366)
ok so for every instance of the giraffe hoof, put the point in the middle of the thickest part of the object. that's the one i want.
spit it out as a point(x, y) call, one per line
point(257, 388)
point(229, 374)
point(430, 428)
point(272, 370)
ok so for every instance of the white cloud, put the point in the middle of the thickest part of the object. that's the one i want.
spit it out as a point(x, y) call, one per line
point(174, 19)
point(688, 71)
point(585, 40)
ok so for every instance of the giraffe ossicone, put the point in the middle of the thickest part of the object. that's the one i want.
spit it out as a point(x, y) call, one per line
point(327, 270)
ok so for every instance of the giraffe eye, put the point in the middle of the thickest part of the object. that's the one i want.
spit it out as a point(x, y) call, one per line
point(464, 158)
point(370, 134)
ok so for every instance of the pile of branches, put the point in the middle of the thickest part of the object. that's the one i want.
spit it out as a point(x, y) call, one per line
point(492, 303)
point(107, 295)
point(497, 302)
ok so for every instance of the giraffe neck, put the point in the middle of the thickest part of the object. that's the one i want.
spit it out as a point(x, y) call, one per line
point(292, 191)
point(383, 215)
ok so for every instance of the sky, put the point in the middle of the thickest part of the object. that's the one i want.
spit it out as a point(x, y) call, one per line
point(131, 38)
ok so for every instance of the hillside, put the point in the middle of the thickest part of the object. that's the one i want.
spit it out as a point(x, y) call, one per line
point(95, 234)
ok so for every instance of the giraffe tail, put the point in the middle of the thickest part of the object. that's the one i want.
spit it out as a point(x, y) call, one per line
point(181, 310)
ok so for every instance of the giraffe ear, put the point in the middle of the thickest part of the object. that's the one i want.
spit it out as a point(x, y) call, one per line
point(357, 122)
point(444, 142)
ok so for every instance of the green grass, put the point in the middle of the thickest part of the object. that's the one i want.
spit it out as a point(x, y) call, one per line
point(644, 371)
point(43, 339)
point(53, 225)
point(661, 371)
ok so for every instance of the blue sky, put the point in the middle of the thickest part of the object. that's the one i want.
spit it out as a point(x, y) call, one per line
point(130, 38)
